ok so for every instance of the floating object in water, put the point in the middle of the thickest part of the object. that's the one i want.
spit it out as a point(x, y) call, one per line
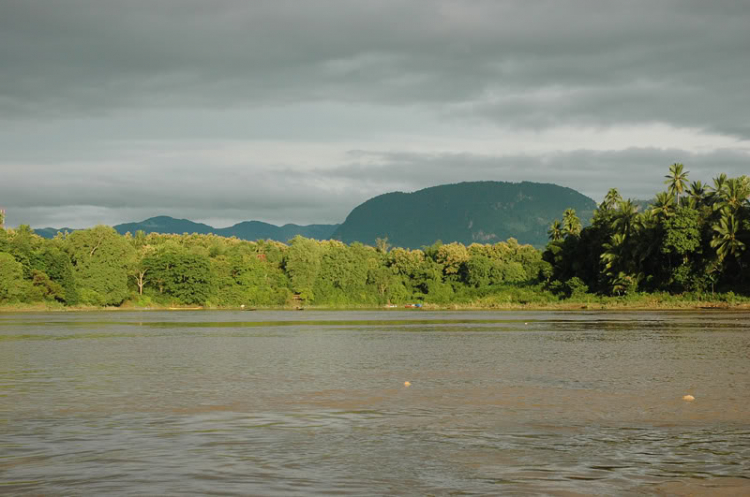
point(688, 398)
point(407, 383)
point(242, 306)
point(526, 324)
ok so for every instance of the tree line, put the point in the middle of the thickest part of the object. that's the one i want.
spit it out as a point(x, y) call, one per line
point(99, 267)
point(692, 237)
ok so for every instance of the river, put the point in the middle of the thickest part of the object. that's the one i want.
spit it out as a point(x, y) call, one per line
point(315, 403)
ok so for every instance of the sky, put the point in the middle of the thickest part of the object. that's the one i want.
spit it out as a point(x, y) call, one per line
point(297, 111)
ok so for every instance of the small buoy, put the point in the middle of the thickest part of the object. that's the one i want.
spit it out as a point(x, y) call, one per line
point(688, 398)
point(526, 324)
point(407, 383)
point(242, 306)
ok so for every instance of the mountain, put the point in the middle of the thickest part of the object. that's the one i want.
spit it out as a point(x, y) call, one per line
point(248, 230)
point(257, 230)
point(50, 232)
point(482, 212)
point(165, 224)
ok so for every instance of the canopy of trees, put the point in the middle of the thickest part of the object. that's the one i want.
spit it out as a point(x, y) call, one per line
point(102, 268)
point(691, 238)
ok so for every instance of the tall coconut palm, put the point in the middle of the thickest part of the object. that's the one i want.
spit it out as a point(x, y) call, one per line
point(614, 253)
point(696, 194)
point(626, 218)
point(735, 194)
point(663, 206)
point(611, 199)
point(555, 231)
point(571, 223)
point(676, 180)
point(717, 189)
point(725, 239)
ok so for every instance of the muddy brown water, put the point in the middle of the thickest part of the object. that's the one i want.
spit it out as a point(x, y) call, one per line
point(314, 403)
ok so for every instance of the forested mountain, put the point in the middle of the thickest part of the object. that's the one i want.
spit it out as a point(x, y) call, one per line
point(248, 230)
point(166, 225)
point(482, 212)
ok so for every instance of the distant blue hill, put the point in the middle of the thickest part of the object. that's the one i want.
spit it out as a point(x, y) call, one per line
point(480, 211)
point(248, 230)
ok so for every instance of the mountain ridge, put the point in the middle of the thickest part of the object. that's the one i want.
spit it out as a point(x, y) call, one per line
point(466, 212)
point(245, 230)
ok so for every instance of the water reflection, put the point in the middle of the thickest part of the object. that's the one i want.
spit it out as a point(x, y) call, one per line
point(514, 403)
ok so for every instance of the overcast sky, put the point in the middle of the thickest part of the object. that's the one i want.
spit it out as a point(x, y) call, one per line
point(297, 111)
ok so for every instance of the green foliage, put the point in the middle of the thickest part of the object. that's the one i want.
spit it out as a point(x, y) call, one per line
point(180, 275)
point(689, 244)
point(695, 245)
point(682, 233)
point(11, 278)
point(99, 257)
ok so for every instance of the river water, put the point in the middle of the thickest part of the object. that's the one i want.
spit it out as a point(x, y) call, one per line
point(314, 403)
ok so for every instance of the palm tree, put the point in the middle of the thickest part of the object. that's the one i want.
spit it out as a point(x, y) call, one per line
point(555, 231)
point(735, 194)
point(611, 199)
point(717, 190)
point(626, 218)
point(697, 194)
point(571, 223)
point(613, 252)
point(676, 180)
point(725, 239)
point(663, 205)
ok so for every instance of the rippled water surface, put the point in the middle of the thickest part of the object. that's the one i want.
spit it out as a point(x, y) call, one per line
point(305, 403)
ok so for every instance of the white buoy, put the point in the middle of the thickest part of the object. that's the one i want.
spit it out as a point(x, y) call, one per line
point(688, 398)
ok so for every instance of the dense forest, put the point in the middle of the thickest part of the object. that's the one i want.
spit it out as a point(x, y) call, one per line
point(691, 238)
point(690, 241)
point(99, 267)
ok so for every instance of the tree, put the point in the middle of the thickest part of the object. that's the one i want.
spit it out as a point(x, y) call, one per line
point(676, 180)
point(611, 199)
point(725, 239)
point(697, 194)
point(735, 194)
point(56, 264)
point(555, 231)
point(571, 223)
point(179, 274)
point(302, 264)
point(626, 218)
point(100, 258)
point(11, 278)
point(664, 205)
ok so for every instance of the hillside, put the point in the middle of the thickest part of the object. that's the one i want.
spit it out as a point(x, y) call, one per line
point(248, 230)
point(482, 212)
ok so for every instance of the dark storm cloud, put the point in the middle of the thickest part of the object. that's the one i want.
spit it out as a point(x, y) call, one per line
point(519, 63)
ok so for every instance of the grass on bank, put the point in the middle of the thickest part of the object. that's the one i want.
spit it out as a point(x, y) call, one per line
point(508, 297)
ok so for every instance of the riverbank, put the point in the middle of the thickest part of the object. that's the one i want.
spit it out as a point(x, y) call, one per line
point(640, 302)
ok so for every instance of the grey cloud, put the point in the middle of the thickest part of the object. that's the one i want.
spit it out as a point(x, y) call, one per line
point(637, 172)
point(81, 197)
point(516, 63)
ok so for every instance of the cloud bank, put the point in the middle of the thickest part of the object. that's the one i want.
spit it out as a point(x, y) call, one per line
point(297, 111)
